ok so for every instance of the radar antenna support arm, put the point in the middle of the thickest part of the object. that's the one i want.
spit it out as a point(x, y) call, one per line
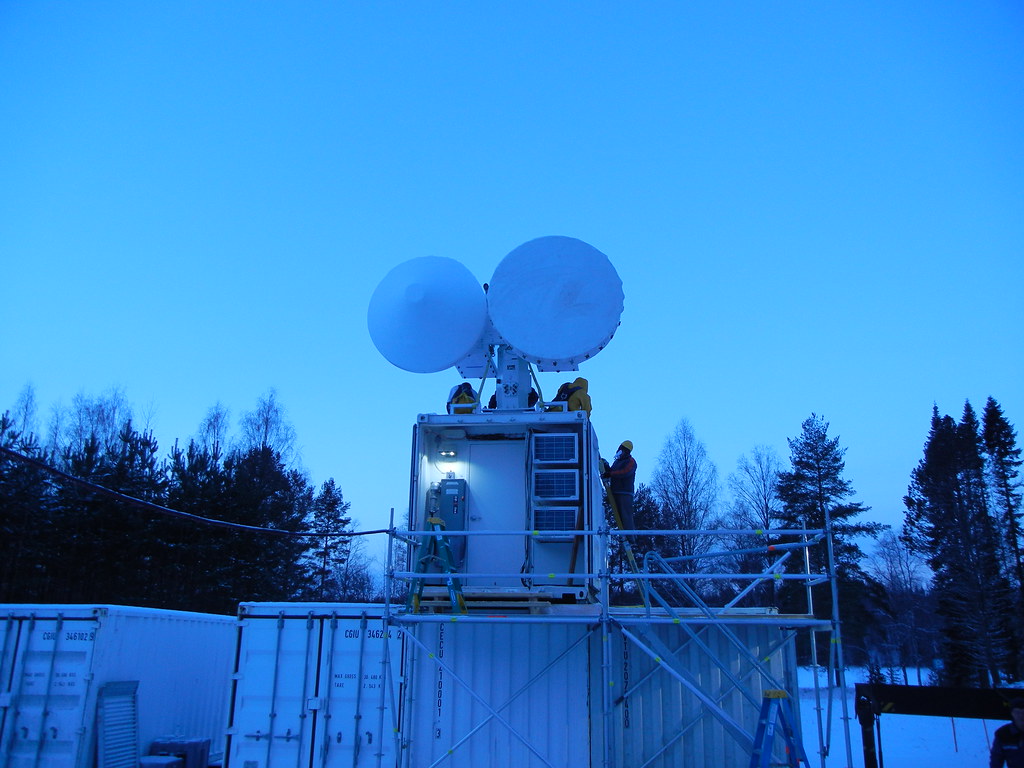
point(536, 382)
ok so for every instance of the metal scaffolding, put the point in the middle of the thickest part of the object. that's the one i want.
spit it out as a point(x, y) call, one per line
point(702, 663)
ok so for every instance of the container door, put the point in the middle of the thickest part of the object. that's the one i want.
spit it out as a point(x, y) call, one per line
point(497, 501)
point(271, 721)
point(44, 690)
point(357, 716)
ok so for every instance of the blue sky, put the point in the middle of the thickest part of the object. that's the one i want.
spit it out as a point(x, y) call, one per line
point(812, 207)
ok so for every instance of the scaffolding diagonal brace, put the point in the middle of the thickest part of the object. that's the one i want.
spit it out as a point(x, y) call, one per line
point(662, 656)
point(494, 713)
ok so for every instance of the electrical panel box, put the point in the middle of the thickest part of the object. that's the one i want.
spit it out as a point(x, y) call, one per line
point(451, 508)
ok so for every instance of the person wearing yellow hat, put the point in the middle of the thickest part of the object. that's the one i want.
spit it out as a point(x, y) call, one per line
point(622, 474)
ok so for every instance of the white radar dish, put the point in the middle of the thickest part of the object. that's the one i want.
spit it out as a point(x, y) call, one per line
point(427, 314)
point(556, 301)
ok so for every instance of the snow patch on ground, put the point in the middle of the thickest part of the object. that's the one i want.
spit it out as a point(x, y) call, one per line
point(906, 740)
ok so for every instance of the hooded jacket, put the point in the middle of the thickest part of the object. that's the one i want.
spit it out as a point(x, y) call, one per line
point(579, 400)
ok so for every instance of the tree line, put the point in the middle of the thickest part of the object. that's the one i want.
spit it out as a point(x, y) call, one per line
point(72, 542)
point(943, 594)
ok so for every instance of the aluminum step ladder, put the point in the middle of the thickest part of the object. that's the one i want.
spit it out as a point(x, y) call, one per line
point(436, 550)
point(776, 715)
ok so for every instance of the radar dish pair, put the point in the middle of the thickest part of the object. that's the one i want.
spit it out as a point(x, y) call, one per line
point(555, 301)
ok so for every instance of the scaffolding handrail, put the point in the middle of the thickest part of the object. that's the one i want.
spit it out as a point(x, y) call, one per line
point(616, 532)
point(815, 578)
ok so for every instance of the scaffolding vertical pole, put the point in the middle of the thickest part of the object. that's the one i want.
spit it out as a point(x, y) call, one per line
point(607, 740)
point(822, 746)
point(389, 568)
point(837, 638)
point(385, 662)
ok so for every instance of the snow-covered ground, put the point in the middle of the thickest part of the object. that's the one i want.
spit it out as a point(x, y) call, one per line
point(907, 740)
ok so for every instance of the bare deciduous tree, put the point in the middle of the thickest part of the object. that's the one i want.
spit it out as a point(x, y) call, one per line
point(266, 427)
point(355, 576)
point(907, 636)
point(213, 431)
point(685, 483)
point(755, 501)
point(755, 505)
point(24, 413)
point(100, 418)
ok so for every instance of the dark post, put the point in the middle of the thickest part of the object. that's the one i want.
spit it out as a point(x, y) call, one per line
point(866, 717)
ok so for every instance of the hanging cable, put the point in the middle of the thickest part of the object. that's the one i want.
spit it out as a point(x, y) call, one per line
point(143, 504)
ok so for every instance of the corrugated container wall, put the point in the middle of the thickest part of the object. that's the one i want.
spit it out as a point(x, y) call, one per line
point(57, 658)
point(659, 721)
point(506, 695)
point(499, 694)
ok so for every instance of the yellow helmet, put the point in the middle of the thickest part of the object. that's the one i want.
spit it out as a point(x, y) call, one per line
point(627, 445)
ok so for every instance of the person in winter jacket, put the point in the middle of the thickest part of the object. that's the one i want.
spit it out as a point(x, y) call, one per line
point(574, 394)
point(1008, 744)
point(579, 400)
point(622, 474)
point(462, 399)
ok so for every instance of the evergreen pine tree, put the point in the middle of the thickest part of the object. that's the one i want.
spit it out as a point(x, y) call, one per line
point(142, 539)
point(1002, 471)
point(201, 569)
point(117, 545)
point(1002, 463)
point(814, 494)
point(330, 553)
point(948, 520)
point(26, 516)
point(261, 491)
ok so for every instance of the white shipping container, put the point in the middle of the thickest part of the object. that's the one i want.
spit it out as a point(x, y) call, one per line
point(499, 694)
point(311, 687)
point(559, 693)
point(327, 685)
point(57, 659)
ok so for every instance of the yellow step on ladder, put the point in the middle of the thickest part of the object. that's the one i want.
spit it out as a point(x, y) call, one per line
point(776, 715)
point(435, 550)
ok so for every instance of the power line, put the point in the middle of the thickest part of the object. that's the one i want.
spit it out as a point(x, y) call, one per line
point(142, 503)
